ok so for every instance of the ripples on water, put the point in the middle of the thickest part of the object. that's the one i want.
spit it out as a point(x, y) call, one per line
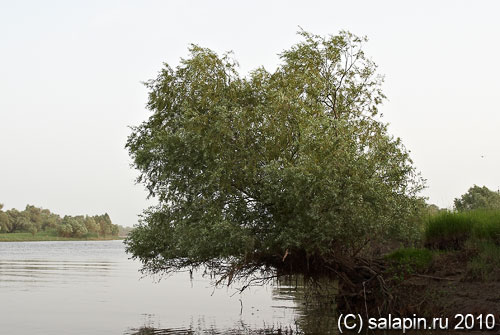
point(93, 288)
point(212, 331)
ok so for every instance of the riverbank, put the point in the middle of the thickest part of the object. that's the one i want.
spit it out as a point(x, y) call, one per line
point(443, 288)
point(50, 236)
point(454, 270)
point(447, 288)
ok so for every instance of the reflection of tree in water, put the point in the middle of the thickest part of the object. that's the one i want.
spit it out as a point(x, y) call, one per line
point(211, 331)
point(314, 308)
point(315, 303)
point(202, 327)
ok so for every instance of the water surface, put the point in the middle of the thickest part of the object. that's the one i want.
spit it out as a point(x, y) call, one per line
point(91, 287)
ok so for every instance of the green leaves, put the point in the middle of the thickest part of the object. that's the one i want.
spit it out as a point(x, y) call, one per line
point(34, 219)
point(478, 198)
point(247, 170)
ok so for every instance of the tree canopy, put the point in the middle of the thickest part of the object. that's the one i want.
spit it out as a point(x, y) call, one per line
point(34, 219)
point(284, 170)
point(478, 198)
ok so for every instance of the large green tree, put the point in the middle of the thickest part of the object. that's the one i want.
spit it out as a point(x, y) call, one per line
point(478, 198)
point(287, 170)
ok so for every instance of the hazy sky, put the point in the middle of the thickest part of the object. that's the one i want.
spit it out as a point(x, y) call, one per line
point(71, 72)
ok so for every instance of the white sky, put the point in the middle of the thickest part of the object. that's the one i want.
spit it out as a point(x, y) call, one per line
point(70, 74)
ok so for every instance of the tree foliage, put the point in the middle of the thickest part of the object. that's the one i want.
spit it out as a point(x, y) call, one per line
point(478, 198)
point(34, 219)
point(283, 170)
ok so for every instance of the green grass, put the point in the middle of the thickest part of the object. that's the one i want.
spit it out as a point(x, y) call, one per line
point(407, 261)
point(418, 259)
point(448, 230)
point(487, 226)
point(485, 266)
point(452, 229)
point(477, 233)
point(47, 236)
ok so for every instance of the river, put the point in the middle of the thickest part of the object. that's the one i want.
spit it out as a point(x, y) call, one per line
point(92, 287)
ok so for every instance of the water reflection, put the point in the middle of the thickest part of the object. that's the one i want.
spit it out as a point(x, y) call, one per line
point(93, 288)
point(203, 329)
point(34, 274)
point(314, 303)
point(208, 331)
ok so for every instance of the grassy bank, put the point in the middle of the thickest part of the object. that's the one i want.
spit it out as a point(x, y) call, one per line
point(453, 230)
point(454, 268)
point(476, 234)
point(49, 236)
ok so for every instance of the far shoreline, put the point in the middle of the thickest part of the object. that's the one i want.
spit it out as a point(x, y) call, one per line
point(27, 237)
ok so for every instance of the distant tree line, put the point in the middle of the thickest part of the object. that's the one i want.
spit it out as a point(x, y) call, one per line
point(124, 231)
point(478, 198)
point(34, 219)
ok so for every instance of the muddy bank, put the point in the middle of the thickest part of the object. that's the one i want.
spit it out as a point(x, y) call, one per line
point(443, 289)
